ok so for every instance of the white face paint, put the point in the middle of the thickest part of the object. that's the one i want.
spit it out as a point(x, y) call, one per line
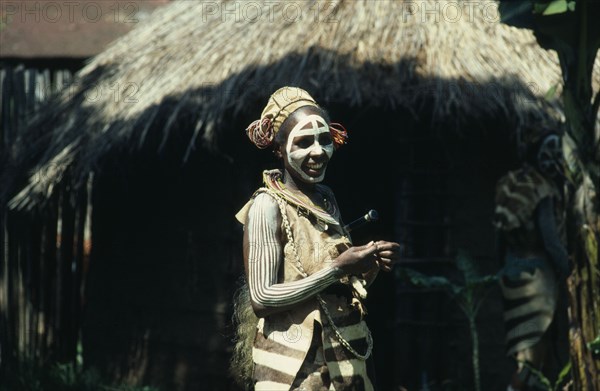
point(309, 128)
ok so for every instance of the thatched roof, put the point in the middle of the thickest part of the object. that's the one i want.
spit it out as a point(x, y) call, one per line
point(213, 60)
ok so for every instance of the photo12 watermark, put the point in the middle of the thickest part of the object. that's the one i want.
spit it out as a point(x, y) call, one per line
point(117, 92)
point(419, 11)
point(69, 12)
point(449, 12)
point(270, 11)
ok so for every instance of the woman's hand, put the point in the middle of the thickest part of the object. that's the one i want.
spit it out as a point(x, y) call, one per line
point(361, 259)
point(388, 253)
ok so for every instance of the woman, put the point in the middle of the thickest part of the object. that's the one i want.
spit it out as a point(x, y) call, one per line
point(306, 281)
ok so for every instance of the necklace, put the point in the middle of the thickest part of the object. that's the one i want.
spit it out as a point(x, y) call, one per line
point(322, 303)
point(329, 215)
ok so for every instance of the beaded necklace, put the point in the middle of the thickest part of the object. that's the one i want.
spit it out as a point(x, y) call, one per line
point(272, 180)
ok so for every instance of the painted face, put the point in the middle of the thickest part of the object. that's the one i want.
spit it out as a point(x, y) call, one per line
point(550, 156)
point(309, 148)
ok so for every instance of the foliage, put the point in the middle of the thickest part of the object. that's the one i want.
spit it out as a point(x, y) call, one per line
point(562, 376)
point(560, 380)
point(553, 7)
point(571, 28)
point(565, 26)
point(60, 377)
point(469, 296)
point(594, 346)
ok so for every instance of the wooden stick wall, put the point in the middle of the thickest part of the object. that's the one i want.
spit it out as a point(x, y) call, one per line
point(43, 254)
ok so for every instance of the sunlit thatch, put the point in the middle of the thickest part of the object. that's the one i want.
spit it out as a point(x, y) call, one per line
point(451, 62)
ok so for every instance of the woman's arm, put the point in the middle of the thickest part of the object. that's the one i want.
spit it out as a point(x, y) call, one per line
point(264, 257)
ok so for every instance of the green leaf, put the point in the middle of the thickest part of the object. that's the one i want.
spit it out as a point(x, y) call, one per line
point(553, 8)
point(422, 280)
point(562, 376)
point(594, 346)
point(467, 266)
point(537, 373)
point(483, 282)
point(551, 93)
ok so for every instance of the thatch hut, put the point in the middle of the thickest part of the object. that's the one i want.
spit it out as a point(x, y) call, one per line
point(150, 139)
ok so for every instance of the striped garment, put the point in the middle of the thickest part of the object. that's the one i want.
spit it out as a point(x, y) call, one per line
point(529, 305)
point(529, 299)
point(518, 193)
point(289, 343)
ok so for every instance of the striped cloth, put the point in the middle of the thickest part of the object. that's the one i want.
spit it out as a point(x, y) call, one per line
point(529, 296)
point(529, 305)
point(346, 371)
point(288, 345)
point(284, 360)
point(517, 195)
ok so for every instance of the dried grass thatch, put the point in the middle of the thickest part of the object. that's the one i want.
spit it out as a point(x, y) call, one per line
point(451, 62)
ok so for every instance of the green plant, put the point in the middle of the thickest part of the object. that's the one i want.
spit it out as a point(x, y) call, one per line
point(571, 28)
point(560, 380)
point(594, 346)
point(469, 296)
